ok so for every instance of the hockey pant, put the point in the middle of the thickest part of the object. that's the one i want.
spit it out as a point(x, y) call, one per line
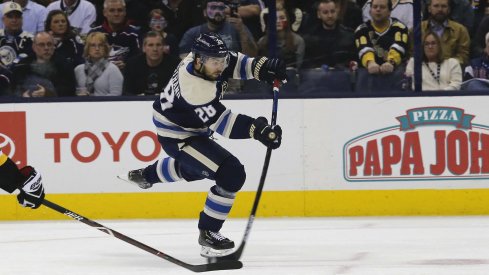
point(197, 158)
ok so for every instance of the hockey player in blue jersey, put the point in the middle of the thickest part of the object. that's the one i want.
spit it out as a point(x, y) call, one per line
point(189, 111)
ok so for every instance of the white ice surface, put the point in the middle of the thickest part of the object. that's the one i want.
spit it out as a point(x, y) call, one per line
point(361, 246)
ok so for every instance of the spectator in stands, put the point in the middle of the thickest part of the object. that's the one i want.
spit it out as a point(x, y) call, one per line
point(454, 36)
point(231, 29)
point(401, 10)
point(44, 75)
point(148, 73)
point(81, 13)
point(249, 11)
point(121, 36)
point(477, 72)
point(34, 15)
point(15, 43)
point(158, 23)
point(294, 14)
point(68, 45)
point(98, 76)
point(382, 41)
point(438, 73)
point(182, 15)
point(327, 41)
point(290, 46)
point(461, 12)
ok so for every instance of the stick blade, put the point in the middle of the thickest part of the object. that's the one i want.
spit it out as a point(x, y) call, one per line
point(235, 256)
point(219, 265)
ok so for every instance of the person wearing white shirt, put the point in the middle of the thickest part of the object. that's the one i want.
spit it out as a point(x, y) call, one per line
point(81, 13)
point(98, 76)
point(437, 73)
point(33, 13)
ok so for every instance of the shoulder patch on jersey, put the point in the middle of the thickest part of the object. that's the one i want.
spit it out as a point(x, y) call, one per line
point(361, 26)
point(363, 40)
point(195, 90)
point(26, 34)
point(398, 24)
point(7, 55)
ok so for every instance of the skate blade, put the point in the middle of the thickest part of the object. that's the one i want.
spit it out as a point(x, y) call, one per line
point(208, 252)
point(124, 177)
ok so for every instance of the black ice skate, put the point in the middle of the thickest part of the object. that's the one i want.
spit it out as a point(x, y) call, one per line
point(136, 177)
point(214, 244)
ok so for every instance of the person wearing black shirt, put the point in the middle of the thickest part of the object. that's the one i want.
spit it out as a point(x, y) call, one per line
point(328, 42)
point(44, 75)
point(148, 73)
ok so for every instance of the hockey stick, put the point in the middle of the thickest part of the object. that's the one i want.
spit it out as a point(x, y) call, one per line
point(222, 265)
point(236, 255)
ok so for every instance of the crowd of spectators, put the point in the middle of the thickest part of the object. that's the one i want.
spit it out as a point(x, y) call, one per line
point(131, 47)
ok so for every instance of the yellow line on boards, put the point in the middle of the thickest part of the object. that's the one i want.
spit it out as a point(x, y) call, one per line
point(272, 204)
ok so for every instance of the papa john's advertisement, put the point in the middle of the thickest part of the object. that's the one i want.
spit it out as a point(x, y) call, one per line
point(397, 143)
point(429, 142)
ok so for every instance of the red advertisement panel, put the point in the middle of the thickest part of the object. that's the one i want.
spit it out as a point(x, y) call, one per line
point(13, 141)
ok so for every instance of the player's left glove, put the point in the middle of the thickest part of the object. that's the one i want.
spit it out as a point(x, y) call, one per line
point(269, 69)
point(270, 136)
point(31, 189)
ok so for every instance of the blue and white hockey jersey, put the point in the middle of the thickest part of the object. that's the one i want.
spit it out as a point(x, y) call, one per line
point(190, 105)
point(11, 46)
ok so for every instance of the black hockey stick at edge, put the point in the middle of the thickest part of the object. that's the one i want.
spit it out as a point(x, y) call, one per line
point(236, 255)
point(221, 265)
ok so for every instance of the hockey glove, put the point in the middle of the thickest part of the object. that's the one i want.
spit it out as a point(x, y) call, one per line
point(31, 190)
point(270, 136)
point(269, 69)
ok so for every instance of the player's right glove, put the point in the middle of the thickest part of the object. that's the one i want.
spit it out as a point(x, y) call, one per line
point(270, 136)
point(31, 189)
point(269, 69)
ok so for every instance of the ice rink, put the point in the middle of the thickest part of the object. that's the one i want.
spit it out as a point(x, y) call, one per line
point(385, 245)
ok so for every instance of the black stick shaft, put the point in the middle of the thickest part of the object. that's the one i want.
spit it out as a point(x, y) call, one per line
point(120, 236)
point(236, 255)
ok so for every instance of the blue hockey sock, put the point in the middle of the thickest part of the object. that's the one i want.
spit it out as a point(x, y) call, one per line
point(164, 170)
point(167, 170)
point(216, 209)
